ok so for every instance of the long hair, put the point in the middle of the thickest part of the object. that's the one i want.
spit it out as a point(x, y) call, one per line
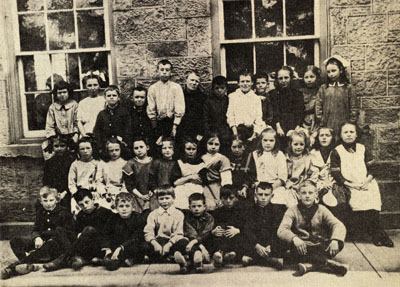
point(260, 149)
point(299, 133)
point(317, 144)
point(291, 75)
point(342, 71)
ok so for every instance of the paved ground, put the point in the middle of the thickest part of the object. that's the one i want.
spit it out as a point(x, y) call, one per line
point(369, 266)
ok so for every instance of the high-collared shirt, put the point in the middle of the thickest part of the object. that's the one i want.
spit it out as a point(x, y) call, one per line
point(62, 119)
point(164, 223)
point(88, 110)
point(166, 100)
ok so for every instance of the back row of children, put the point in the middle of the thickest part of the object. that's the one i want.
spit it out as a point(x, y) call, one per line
point(339, 175)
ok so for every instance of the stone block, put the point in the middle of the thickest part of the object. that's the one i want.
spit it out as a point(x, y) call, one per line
point(379, 103)
point(349, 2)
point(383, 6)
point(126, 85)
point(393, 36)
point(382, 57)
point(357, 65)
point(389, 151)
point(349, 52)
point(19, 211)
point(367, 29)
point(369, 83)
point(380, 116)
point(358, 11)
point(390, 194)
point(394, 78)
point(389, 134)
point(199, 37)
point(394, 91)
point(338, 20)
point(385, 171)
point(129, 4)
point(186, 9)
point(131, 60)
point(394, 21)
point(167, 49)
point(147, 25)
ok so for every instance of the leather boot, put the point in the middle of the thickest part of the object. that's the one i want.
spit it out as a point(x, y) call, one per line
point(56, 264)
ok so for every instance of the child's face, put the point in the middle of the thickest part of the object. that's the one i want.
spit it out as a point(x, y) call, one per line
point(87, 204)
point(59, 147)
point(124, 208)
point(164, 72)
point(85, 151)
point(112, 98)
point(263, 196)
point(284, 78)
point(268, 142)
point(140, 149)
point(213, 145)
point(308, 195)
point(49, 203)
point(229, 201)
point(92, 86)
point(297, 145)
point(237, 148)
point(310, 79)
point(192, 82)
point(325, 137)
point(190, 150)
point(261, 85)
point(62, 96)
point(333, 72)
point(197, 207)
point(114, 151)
point(139, 98)
point(349, 134)
point(165, 201)
point(245, 83)
point(167, 150)
point(220, 91)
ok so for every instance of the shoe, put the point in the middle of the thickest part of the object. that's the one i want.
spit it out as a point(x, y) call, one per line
point(77, 262)
point(303, 268)
point(218, 259)
point(56, 264)
point(198, 261)
point(275, 262)
point(386, 241)
point(337, 268)
point(7, 273)
point(96, 261)
point(146, 259)
point(247, 260)
point(129, 262)
point(229, 257)
point(178, 257)
point(24, 268)
point(111, 265)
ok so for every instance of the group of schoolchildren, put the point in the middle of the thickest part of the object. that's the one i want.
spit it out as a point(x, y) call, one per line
point(172, 175)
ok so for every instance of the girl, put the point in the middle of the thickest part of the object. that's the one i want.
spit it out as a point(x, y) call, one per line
point(186, 173)
point(112, 173)
point(57, 167)
point(336, 103)
point(85, 171)
point(136, 176)
point(350, 164)
point(311, 79)
point(217, 171)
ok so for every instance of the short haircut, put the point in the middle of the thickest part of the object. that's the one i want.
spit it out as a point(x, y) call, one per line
point(358, 131)
point(139, 89)
point(308, 183)
point(61, 85)
point(189, 72)
point(228, 190)
point(139, 139)
point(264, 185)
point(91, 75)
point(261, 76)
point(168, 139)
point(164, 62)
point(220, 81)
point(246, 73)
point(46, 191)
point(164, 190)
point(112, 88)
point(82, 193)
point(66, 139)
point(197, 196)
point(93, 144)
point(123, 197)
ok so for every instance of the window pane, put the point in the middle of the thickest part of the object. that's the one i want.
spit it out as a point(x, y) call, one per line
point(30, 5)
point(32, 32)
point(37, 73)
point(65, 67)
point(237, 20)
point(59, 4)
point(37, 106)
point(73, 70)
point(96, 62)
point(239, 57)
point(61, 30)
point(91, 29)
point(89, 3)
point(300, 54)
point(300, 17)
point(268, 18)
point(269, 57)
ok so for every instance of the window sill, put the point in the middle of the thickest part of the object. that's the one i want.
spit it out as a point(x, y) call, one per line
point(31, 148)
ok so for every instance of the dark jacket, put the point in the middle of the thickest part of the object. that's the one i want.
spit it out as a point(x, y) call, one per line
point(56, 171)
point(140, 123)
point(214, 115)
point(96, 219)
point(198, 227)
point(191, 124)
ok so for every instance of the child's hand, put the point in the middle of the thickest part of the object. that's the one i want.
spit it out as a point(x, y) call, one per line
point(157, 247)
point(145, 197)
point(195, 178)
point(199, 138)
point(218, 231)
point(243, 192)
point(166, 248)
point(63, 194)
point(173, 132)
point(300, 246)
point(261, 250)
point(79, 235)
point(232, 231)
point(159, 141)
point(280, 131)
point(107, 251)
point(38, 242)
point(116, 254)
point(75, 138)
point(333, 248)
point(190, 245)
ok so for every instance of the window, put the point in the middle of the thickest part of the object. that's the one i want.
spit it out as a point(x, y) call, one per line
point(263, 35)
point(57, 40)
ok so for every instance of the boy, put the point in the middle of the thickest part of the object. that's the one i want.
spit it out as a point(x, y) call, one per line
point(261, 91)
point(245, 119)
point(89, 227)
point(164, 229)
point(260, 232)
point(123, 235)
point(197, 228)
point(314, 234)
point(52, 234)
point(114, 120)
point(229, 223)
point(166, 102)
